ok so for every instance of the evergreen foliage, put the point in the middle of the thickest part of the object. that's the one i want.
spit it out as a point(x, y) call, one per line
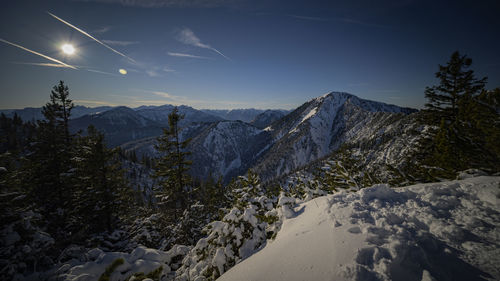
point(243, 230)
point(101, 192)
point(110, 269)
point(171, 168)
point(48, 170)
point(465, 122)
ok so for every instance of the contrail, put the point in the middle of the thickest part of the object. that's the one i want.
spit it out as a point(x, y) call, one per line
point(41, 64)
point(36, 53)
point(101, 72)
point(217, 51)
point(90, 36)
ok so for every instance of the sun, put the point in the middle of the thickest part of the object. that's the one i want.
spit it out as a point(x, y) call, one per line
point(68, 49)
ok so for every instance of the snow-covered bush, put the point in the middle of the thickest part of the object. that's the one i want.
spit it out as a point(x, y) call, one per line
point(24, 246)
point(242, 231)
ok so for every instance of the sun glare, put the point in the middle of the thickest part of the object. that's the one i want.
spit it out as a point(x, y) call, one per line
point(122, 71)
point(68, 49)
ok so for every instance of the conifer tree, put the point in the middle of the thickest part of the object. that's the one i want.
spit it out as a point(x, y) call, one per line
point(171, 168)
point(49, 163)
point(465, 128)
point(102, 194)
point(456, 81)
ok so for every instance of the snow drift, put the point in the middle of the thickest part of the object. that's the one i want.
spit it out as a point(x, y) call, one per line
point(436, 231)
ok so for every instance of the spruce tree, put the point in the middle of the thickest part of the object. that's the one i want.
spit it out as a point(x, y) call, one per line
point(465, 130)
point(49, 162)
point(102, 194)
point(456, 81)
point(171, 168)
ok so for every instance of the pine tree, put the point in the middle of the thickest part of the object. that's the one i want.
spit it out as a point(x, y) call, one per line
point(49, 162)
point(456, 81)
point(171, 168)
point(465, 130)
point(102, 194)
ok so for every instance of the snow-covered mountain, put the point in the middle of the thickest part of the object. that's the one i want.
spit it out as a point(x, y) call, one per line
point(321, 126)
point(120, 125)
point(245, 115)
point(227, 148)
point(312, 131)
point(160, 114)
point(224, 148)
point(140, 125)
point(267, 117)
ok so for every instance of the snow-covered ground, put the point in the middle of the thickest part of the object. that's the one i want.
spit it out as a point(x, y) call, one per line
point(437, 231)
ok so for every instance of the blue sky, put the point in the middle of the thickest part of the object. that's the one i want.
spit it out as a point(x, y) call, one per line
point(239, 53)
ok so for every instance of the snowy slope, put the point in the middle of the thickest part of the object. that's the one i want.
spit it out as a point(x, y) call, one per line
point(245, 115)
point(226, 148)
point(267, 117)
point(437, 231)
point(319, 127)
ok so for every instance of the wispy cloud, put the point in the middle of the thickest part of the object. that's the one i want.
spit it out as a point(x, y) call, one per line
point(41, 64)
point(120, 43)
point(188, 37)
point(94, 103)
point(102, 30)
point(37, 53)
point(156, 71)
point(100, 72)
point(184, 55)
point(153, 73)
point(169, 3)
point(90, 36)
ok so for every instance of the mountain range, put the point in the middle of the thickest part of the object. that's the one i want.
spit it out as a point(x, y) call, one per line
point(271, 142)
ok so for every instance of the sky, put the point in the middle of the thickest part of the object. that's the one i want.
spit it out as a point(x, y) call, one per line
point(228, 54)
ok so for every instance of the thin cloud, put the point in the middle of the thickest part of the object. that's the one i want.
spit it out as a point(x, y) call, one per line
point(63, 66)
point(37, 53)
point(102, 30)
point(101, 72)
point(120, 43)
point(184, 55)
point(153, 73)
point(93, 102)
point(168, 69)
point(188, 37)
point(41, 64)
point(90, 36)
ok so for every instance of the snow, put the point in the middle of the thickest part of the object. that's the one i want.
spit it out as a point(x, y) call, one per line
point(141, 259)
point(437, 231)
point(309, 114)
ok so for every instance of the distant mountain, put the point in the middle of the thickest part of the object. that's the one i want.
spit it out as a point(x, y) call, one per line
point(267, 117)
point(312, 131)
point(120, 125)
point(245, 115)
point(227, 148)
point(35, 113)
point(160, 114)
point(321, 126)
